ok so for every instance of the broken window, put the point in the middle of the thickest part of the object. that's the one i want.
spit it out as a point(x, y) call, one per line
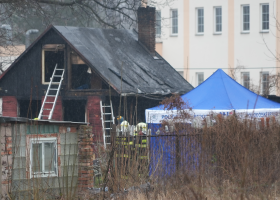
point(43, 156)
point(52, 55)
point(74, 110)
point(80, 73)
point(29, 109)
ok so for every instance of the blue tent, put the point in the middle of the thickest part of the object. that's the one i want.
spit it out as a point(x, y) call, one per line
point(220, 94)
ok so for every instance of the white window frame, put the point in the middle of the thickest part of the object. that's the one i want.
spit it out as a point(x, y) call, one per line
point(262, 73)
point(261, 18)
point(38, 141)
point(197, 24)
point(197, 79)
point(172, 25)
point(243, 80)
point(242, 18)
point(158, 26)
point(215, 20)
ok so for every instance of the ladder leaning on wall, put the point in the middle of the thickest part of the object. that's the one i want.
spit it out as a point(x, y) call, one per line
point(107, 118)
point(53, 92)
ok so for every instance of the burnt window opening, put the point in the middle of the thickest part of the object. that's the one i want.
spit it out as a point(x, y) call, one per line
point(74, 110)
point(29, 109)
point(82, 76)
point(52, 55)
point(80, 73)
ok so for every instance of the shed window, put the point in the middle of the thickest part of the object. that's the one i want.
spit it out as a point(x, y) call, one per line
point(43, 155)
point(52, 55)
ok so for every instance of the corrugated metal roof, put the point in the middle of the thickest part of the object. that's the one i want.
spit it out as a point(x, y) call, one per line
point(117, 54)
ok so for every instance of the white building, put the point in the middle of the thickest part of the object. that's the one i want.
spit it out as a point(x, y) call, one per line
point(8, 55)
point(239, 36)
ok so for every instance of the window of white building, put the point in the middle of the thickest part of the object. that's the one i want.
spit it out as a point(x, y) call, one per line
point(246, 79)
point(265, 83)
point(181, 73)
point(200, 20)
point(199, 78)
point(218, 19)
point(245, 18)
point(43, 155)
point(158, 23)
point(174, 22)
point(265, 17)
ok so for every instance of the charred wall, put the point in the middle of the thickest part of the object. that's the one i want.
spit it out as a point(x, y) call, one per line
point(24, 80)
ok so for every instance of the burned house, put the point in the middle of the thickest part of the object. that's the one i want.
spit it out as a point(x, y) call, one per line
point(117, 68)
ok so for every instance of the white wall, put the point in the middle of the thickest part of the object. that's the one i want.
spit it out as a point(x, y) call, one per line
point(172, 48)
point(250, 49)
point(209, 50)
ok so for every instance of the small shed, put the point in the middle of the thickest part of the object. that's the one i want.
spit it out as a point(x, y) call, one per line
point(44, 158)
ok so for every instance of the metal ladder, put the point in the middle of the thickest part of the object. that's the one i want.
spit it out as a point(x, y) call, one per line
point(106, 123)
point(54, 95)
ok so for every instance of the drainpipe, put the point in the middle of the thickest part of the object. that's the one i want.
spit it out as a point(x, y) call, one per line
point(8, 33)
point(27, 36)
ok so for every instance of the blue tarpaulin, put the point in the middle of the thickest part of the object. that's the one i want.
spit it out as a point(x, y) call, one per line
point(221, 94)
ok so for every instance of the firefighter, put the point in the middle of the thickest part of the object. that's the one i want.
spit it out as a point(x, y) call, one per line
point(120, 119)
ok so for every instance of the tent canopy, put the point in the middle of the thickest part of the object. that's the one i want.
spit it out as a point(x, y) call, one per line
point(221, 93)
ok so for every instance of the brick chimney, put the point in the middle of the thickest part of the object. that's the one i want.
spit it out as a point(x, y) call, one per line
point(146, 27)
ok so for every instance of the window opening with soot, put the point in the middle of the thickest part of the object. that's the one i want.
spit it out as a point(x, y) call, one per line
point(52, 55)
point(29, 108)
point(74, 110)
point(80, 73)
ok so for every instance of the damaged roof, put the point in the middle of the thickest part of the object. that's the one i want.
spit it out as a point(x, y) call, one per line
point(117, 55)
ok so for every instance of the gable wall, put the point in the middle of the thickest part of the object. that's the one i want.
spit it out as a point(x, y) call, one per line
point(25, 78)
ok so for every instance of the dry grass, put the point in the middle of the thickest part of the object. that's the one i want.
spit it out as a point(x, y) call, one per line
point(236, 158)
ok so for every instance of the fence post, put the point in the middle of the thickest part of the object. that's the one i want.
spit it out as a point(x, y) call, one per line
point(177, 152)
